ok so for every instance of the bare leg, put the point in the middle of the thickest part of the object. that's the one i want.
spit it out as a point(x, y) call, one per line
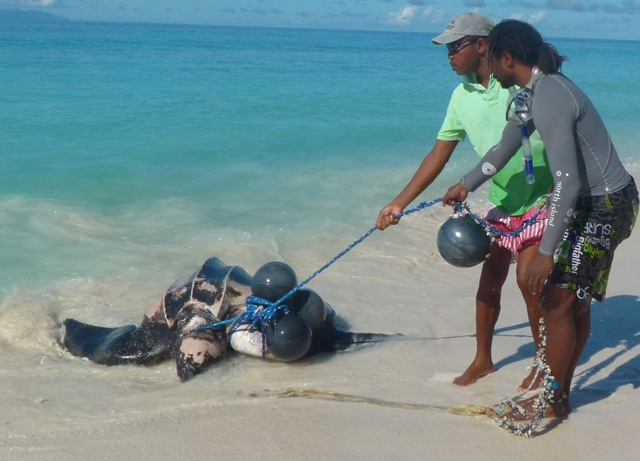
point(582, 320)
point(568, 325)
point(534, 313)
point(494, 273)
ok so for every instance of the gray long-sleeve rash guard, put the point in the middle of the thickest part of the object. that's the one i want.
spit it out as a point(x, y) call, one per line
point(580, 153)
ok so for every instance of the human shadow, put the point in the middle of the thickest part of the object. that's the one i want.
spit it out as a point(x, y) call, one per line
point(524, 352)
point(616, 328)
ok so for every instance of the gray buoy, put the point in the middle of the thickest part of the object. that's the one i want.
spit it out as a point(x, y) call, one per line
point(273, 280)
point(463, 242)
point(289, 339)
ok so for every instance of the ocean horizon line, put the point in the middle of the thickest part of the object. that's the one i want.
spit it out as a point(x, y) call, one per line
point(33, 16)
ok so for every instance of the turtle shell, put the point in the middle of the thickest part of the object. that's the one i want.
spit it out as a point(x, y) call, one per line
point(215, 285)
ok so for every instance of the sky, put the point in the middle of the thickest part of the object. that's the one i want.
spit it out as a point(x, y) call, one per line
point(607, 19)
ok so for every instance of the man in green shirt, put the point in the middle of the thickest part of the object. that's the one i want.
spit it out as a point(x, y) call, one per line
point(477, 110)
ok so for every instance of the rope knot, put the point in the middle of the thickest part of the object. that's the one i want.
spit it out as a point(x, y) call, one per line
point(261, 312)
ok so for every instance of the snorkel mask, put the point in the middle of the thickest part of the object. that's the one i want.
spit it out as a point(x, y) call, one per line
point(519, 111)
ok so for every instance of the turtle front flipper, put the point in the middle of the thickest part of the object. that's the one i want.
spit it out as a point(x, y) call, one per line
point(196, 349)
point(150, 343)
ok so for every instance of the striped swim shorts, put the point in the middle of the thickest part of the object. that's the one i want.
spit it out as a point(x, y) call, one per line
point(529, 236)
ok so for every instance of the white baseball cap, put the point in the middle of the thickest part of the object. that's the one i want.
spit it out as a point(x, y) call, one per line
point(465, 24)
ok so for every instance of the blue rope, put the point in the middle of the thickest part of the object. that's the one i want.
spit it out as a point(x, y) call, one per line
point(261, 312)
point(463, 210)
point(256, 316)
point(355, 243)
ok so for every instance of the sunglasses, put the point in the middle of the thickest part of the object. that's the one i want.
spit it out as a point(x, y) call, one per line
point(455, 48)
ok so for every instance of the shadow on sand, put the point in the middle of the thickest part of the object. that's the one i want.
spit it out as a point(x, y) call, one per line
point(615, 337)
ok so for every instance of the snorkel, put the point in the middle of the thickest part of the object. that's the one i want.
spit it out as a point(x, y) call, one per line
point(519, 110)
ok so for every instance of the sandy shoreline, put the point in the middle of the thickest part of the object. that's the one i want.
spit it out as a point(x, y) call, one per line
point(72, 409)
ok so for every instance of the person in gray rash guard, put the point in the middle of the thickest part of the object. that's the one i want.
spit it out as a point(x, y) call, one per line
point(593, 205)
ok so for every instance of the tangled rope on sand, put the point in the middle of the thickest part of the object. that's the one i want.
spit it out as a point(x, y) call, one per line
point(510, 406)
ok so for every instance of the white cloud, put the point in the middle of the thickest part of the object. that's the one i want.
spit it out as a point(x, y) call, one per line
point(538, 17)
point(409, 14)
point(29, 3)
point(433, 14)
point(404, 16)
point(531, 18)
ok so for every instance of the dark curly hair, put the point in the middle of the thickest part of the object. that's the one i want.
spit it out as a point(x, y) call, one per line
point(525, 44)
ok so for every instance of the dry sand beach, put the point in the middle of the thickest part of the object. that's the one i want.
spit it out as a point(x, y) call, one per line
point(55, 406)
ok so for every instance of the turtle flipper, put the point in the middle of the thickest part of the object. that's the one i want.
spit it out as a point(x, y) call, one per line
point(196, 347)
point(150, 343)
point(329, 340)
point(197, 350)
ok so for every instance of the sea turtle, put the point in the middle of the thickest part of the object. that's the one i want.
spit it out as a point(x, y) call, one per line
point(172, 328)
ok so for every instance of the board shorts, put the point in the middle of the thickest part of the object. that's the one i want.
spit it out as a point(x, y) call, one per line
point(528, 236)
point(583, 259)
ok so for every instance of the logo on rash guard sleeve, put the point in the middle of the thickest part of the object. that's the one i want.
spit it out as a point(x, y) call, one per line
point(488, 169)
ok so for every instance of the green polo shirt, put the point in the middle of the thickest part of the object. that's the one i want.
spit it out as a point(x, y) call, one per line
point(479, 113)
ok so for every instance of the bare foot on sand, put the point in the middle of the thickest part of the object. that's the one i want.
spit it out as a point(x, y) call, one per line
point(474, 372)
point(526, 410)
point(560, 409)
point(527, 382)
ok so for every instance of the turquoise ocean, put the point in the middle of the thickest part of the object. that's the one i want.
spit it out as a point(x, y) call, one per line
point(134, 151)
point(126, 142)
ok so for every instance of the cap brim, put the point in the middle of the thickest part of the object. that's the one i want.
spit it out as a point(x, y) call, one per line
point(447, 37)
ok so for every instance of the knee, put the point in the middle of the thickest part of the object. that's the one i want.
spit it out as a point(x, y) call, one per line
point(494, 273)
point(522, 282)
point(558, 301)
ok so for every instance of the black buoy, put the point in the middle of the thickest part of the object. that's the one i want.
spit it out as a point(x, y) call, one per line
point(273, 280)
point(310, 307)
point(463, 242)
point(289, 339)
